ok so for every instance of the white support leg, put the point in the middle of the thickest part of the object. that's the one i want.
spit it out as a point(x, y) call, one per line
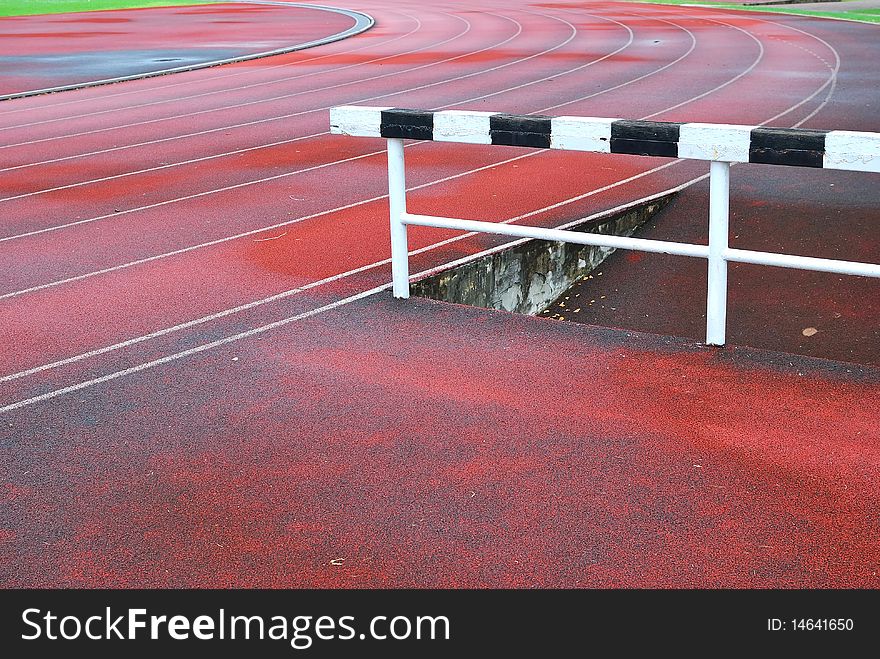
point(719, 213)
point(397, 203)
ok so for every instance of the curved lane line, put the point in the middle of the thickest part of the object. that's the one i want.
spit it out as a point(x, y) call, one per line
point(286, 174)
point(260, 121)
point(362, 23)
point(266, 119)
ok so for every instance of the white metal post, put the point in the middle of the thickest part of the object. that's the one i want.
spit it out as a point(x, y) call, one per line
point(719, 214)
point(397, 204)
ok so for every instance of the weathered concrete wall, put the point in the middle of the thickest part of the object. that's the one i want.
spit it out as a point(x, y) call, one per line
point(528, 277)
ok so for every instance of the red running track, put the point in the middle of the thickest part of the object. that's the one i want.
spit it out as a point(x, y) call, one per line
point(189, 271)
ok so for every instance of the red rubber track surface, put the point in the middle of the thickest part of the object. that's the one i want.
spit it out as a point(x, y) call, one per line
point(201, 390)
point(44, 51)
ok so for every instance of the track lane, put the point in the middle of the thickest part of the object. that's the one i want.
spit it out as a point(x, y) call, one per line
point(317, 119)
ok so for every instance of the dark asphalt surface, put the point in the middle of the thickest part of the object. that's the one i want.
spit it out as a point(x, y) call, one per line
point(41, 52)
point(421, 444)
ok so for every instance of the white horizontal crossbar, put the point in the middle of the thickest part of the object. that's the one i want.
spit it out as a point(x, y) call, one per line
point(559, 235)
point(644, 245)
point(803, 262)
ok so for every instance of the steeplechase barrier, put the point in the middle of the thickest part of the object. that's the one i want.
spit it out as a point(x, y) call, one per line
point(720, 144)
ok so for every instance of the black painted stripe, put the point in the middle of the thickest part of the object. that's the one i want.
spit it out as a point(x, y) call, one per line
point(516, 130)
point(407, 124)
point(645, 138)
point(649, 131)
point(775, 146)
point(787, 146)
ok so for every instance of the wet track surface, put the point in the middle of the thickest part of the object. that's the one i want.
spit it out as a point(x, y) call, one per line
point(806, 212)
point(208, 384)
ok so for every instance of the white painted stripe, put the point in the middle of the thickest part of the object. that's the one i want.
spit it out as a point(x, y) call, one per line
point(272, 227)
point(356, 121)
point(211, 243)
point(249, 103)
point(197, 195)
point(152, 90)
point(192, 351)
point(581, 134)
point(853, 151)
point(261, 329)
point(191, 323)
point(462, 126)
point(724, 142)
point(556, 76)
point(606, 90)
point(180, 163)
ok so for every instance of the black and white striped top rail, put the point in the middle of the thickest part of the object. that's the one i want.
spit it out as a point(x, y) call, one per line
point(798, 147)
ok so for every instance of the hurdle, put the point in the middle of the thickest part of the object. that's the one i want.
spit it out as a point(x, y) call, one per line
point(720, 144)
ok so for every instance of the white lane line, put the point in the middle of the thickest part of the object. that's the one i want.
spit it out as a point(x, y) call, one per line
point(286, 223)
point(264, 328)
point(140, 261)
point(832, 80)
point(556, 75)
point(364, 268)
point(288, 141)
point(227, 188)
point(303, 112)
point(157, 168)
point(729, 82)
point(34, 164)
point(227, 153)
point(191, 351)
point(362, 22)
point(252, 232)
point(218, 241)
point(191, 323)
point(378, 263)
point(835, 70)
point(641, 77)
